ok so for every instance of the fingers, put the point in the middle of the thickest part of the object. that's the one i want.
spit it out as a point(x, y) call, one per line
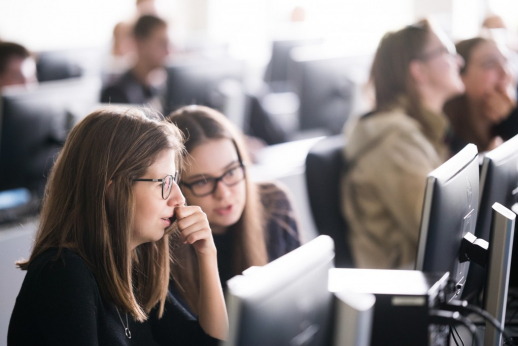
point(498, 106)
point(197, 231)
point(185, 211)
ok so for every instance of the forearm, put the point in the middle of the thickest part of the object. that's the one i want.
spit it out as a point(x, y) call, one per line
point(211, 306)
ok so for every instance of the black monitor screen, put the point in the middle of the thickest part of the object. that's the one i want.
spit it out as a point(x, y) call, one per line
point(34, 125)
point(277, 68)
point(498, 184)
point(326, 89)
point(449, 211)
point(196, 82)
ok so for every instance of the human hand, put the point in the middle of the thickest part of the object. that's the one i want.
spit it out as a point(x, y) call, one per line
point(495, 142)
point(499, 103)
point(195, 230)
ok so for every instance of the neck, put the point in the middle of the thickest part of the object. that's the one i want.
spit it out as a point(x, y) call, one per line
point(431, 100)
point(219, 229)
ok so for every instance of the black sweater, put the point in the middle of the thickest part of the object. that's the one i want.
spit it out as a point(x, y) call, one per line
point(60, 304)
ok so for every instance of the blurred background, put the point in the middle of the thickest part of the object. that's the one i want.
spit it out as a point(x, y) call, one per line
point(286, 72)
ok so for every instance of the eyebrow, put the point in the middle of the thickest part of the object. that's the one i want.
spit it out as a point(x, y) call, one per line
point(203, 175)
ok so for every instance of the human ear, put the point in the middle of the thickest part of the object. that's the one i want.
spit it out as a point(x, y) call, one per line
point(417, 71)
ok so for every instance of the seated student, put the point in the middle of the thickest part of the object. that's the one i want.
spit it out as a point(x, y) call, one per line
point(17, 67)
point(99, 269)
point(141, 84)
point(486, 113)
point(252, 223)
point(391, 150)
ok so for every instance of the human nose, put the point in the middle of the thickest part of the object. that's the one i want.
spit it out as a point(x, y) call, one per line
point(222, 190)
point(460, 61)
point(176, 197)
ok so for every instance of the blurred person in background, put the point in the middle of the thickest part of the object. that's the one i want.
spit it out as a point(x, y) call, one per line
point(252, 223)
point(391, 150)
point(486, 113)
point(17, 66)
point(142, 83)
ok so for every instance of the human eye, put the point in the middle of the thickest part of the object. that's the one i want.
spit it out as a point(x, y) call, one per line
point(489, 64)
point(200, 183)
point(231, 172)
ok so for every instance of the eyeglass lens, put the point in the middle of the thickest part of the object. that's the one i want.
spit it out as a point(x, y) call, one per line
point(230, 178)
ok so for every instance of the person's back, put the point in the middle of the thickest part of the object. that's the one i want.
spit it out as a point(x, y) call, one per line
point(390, 151)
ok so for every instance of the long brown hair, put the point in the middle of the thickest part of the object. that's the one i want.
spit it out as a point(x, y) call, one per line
point(89, 205)
point(390, 72)
point(200, 124)
point(465, 48)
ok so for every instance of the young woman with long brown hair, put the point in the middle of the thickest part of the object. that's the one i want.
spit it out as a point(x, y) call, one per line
point(99, 269)
point(486, 114)
point(252, 223)
point(391, 150)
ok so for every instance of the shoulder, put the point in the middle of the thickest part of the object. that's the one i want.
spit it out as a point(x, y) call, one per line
point(64, 274)
point(274, 195)
point(115, 92)
point(281, 221)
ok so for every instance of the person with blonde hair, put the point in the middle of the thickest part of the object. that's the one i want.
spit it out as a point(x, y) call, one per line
point(253, 223)
point(99, 270)
point(391, 150)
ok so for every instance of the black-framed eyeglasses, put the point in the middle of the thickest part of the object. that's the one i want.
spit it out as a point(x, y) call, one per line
point(167, 183)
point(207, 186)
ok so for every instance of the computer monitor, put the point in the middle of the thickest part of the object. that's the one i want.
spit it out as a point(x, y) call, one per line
point(326, 88)
point(34, 125)
point(286, 302)
point(55, 65)
point(449, 211)
point(198, 81)
point(276, 71)
point(498, 184)
point(498, 269)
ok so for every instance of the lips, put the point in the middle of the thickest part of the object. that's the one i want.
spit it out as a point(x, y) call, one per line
point(224, 210)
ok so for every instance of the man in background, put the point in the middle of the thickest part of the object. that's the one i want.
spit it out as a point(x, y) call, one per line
point(17, 67)
point(141, 83)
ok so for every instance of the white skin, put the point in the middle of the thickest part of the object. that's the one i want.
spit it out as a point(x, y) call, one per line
point(489, 85)
point(437, 77)
point(18, 72)
point(152, 53)
point(152, 217)
point(212, 159)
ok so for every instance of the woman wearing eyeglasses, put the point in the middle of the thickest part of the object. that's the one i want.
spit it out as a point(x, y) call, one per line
point(486, 113)
point(252, 223)
point(391, 150)
point(99, 270)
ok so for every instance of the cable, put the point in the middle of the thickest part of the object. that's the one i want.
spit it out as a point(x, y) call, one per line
point(453, 336)
point(453, 317)
point(463, 307)
point(456, 332)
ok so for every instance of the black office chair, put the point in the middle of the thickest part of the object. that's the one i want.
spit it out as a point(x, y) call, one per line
point(324, 165)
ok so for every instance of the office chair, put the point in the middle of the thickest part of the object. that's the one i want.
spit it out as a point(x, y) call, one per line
point(324, 164)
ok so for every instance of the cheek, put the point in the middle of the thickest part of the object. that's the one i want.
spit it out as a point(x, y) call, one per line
point(479, 83)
